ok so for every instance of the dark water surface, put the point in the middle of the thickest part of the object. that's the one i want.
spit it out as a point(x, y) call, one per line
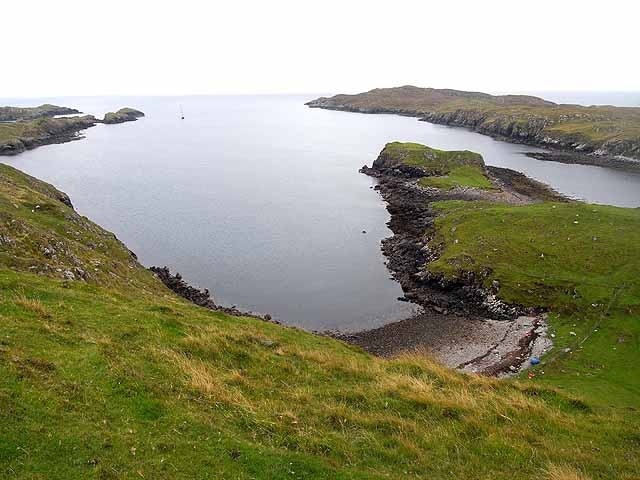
point(258, 198)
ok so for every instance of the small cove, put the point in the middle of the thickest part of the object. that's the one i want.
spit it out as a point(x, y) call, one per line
point(259, 199)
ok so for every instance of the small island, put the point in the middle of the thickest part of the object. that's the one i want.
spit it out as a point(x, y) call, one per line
point(122, 115)
point(596, 135)
point(24, 128)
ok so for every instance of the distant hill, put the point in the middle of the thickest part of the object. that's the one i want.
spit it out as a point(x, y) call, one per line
point(601, 131)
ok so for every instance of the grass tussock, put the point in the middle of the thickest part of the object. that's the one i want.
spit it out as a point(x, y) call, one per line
point(206, 380)
point(31, 304)
point(565, 472)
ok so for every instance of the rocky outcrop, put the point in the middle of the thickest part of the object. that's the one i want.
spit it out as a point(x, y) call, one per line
point(22, 135)
point(44, 131)
point(464, 324)
point(182, 288)
point(414, 159)
point(122, 115)
point(202, 298)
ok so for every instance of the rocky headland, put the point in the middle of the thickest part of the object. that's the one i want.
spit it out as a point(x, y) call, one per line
point(27, 128)
point(122, 115)
point(596, 135)
point(464, 323)
point(11, 114)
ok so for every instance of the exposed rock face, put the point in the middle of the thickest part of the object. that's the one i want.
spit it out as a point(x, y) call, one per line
point(122, 115)
point(599, 131)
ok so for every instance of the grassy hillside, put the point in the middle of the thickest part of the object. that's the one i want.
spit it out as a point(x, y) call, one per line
point(442, 168)
point(8, 114)
point(604, 129)
point(467, 176)
point(37, 126)
point(431, 160)
point(578, 260)
point(104, 373)
point(16, 137)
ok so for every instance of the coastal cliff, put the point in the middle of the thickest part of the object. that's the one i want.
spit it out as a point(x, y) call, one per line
point(606, 134)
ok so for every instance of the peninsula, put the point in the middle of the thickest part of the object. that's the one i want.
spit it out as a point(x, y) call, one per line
point(24, 128)
point(492, 256)
point(596, 135)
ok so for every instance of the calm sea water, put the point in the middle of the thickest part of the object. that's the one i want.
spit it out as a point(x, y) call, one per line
point(258, 198)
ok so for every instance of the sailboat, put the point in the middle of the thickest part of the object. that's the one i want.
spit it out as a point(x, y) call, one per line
point(181, 113)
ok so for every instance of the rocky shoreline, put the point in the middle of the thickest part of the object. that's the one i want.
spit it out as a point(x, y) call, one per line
point(49, 131)
point(570, 157)
point(202, 298)
point(462, 324)
point(29, 128)
point(562, 152)
point(531, 133)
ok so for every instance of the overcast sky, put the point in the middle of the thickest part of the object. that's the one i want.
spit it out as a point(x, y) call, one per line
point(68, 47)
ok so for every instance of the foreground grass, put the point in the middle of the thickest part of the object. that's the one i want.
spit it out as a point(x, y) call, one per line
point(115, 377)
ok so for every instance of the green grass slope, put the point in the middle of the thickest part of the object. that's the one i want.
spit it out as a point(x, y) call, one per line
point(442, 168)
point(431, 160)
point(578, 260)
point(466, 176)
point(16, 137)
point(106, 374)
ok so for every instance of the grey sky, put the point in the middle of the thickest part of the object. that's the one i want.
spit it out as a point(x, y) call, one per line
point(70, 47)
